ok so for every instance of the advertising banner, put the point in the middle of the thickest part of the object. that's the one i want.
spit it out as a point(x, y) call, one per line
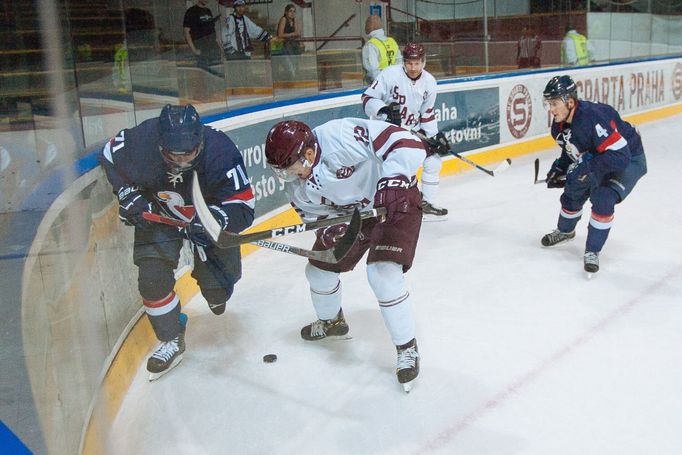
point(628, 88)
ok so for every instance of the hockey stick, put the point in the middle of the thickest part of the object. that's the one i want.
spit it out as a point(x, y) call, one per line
point(331, 256)
point(537, 170)
point(224, 239)
point(500, 168)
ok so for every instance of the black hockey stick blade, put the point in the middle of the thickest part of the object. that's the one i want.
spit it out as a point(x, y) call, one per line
point(332, 255)
point(537, 171)
point(346, 242)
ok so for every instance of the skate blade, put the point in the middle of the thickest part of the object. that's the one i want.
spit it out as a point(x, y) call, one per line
point(155, 376)
point(589, 275)
point(338, 337)
point(407, 386)
point(431, 218)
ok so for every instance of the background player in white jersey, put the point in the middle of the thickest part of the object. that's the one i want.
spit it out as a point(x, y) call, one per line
point(331, 170)
point(404, 95)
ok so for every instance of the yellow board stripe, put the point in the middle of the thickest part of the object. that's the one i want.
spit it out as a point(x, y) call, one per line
point(141, 338)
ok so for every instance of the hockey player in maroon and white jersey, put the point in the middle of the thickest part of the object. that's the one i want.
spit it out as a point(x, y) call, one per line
point(331, 170)
point(404, 95)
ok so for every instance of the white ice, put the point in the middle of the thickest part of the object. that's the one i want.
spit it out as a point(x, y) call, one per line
point(521, 354)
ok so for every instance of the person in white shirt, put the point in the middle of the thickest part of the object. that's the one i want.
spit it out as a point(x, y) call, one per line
point(331, 170)
point(404, 95)
point(380, 51)
point(238, 31)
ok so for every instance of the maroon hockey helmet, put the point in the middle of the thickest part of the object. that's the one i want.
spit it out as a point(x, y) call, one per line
point(414, 51)
point(286, 143)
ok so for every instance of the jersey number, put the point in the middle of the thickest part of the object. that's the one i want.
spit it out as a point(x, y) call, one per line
point(238, 176)
point(601, 131)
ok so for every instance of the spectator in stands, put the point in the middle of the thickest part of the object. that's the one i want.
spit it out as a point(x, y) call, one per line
point(199, 29)
point(576, 49)
point(238, 31)
point(288, 29)
point(379, 51)
point(528, 49)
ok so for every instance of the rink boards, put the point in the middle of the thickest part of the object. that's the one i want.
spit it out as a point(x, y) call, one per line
point(489, 118)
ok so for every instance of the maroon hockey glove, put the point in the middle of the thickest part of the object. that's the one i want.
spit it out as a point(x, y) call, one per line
point(131, 206)
point(391, 194)
point(331, 234)
point(392, 112)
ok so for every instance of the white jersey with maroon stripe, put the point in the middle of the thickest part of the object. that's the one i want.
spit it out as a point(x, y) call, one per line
point(416, 98)
point(353, 154)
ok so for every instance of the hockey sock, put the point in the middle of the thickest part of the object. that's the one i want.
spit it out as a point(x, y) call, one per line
point(164, 315)
point(431, 178)
point(388, 283)
point(568, 219)
point(325, 291)
point(598, 231)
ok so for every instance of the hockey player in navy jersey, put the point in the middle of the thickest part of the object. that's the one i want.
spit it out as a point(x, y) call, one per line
point(601, 159)
point(150, 169)
point(331, 170)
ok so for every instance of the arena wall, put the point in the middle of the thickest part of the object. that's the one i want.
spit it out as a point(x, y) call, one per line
point(80, 333)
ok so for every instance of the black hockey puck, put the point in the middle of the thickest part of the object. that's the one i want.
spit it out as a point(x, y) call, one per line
point(270, 358)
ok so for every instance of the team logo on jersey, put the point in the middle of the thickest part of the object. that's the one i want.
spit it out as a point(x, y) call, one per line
point(564, 139)
point(345, 172)
point(176, 204)
point(677, 81)
point(519, 111)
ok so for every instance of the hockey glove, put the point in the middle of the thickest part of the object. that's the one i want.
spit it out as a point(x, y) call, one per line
point(392, 194)
point(392, 112)
point(556, 177)
point(131, 206)
point(579, 173)
point(439, 144)
point(196, 232)
point(331, 234)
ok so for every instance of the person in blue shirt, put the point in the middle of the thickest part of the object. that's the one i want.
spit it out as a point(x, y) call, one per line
point(602, 159)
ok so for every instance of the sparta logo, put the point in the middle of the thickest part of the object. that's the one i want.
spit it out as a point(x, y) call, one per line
point(345, 172)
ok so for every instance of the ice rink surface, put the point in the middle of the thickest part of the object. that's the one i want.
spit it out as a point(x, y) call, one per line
point(521, 354)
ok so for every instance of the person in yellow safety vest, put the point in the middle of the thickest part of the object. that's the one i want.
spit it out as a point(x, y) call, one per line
point(379, 51)
point(576, 49)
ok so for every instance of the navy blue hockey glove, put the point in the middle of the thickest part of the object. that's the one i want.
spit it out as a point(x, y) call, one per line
point(331, 234)
point(131, 206)
point(579, 173)
point(439, 144)
point(556, 177)
point(392, 194)
point(392, 112)
point(196, 232)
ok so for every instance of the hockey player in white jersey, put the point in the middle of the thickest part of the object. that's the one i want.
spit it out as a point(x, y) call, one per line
point(404, 95)
point(331, 170)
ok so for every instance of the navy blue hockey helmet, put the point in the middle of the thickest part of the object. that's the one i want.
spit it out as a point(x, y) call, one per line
point(560, 87)
point(181, 136)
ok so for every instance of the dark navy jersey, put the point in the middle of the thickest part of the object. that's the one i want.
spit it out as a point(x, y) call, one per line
point(132, 158)
point(597, 134)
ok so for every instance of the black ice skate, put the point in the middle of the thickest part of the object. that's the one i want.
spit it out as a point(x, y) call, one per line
point(556, 236)
point(591, 261)
point(408, 364)
point(431, 212)
point(167, 356)
point(331, 328)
